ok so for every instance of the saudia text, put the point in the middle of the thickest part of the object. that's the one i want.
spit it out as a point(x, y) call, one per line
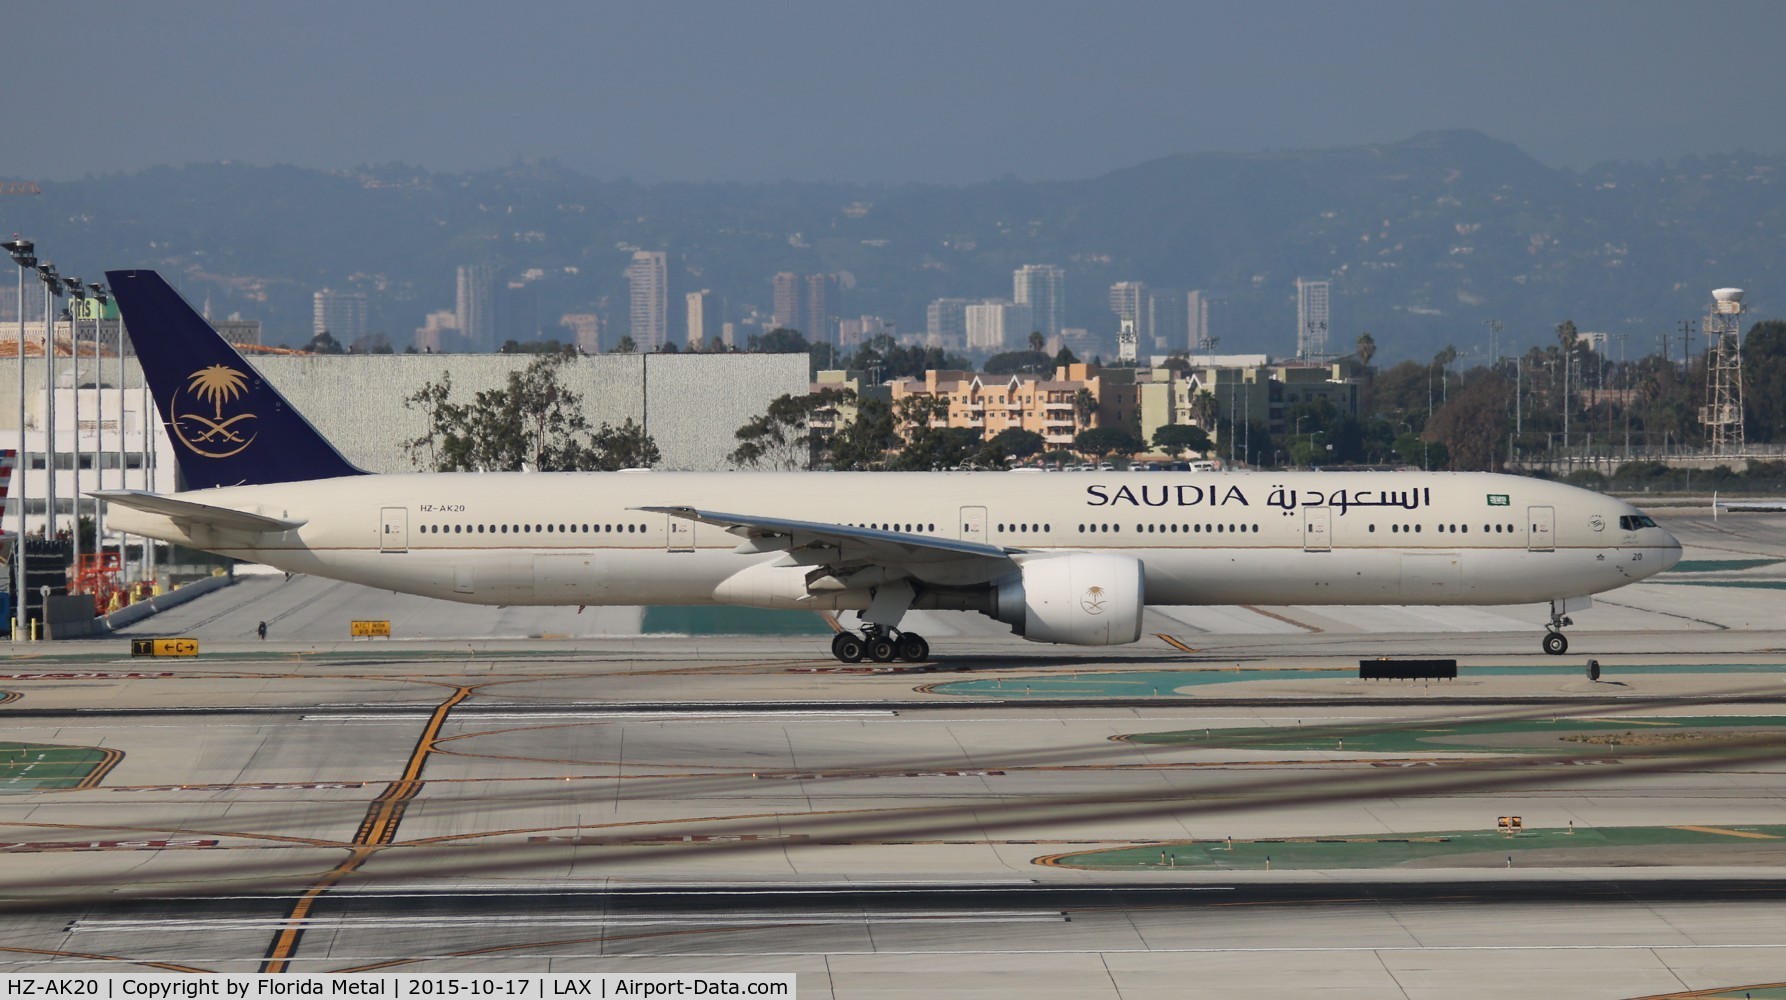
point(1167, 495)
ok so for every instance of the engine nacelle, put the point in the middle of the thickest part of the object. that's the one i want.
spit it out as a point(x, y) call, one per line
point(1079, 598)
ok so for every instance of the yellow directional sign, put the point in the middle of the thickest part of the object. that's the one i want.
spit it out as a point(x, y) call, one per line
point(368, 629)
point(164, 647)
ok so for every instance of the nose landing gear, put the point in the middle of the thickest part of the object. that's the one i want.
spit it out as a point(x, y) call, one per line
point(880, 644)
point(1555, 642)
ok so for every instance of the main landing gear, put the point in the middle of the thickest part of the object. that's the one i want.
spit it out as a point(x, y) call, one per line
point(1555, 642)
point(880, 644)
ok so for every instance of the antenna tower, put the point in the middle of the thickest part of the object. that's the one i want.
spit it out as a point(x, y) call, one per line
point(1722, 413)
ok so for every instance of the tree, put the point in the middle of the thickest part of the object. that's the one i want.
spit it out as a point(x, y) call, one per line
point(1367, 348)
point(624, 447)
point(1106, 441)
point(1011, 362)
point(627, 345)
point(1037, 342)
point(1764, 374)
point(783, 437)
point(866, 441)
point(324, 343)
point(1018, 443)
point(533, 421)
point(780, 340)
point(938, 448)
point(1473, 427)
point(1065, 357)
point(1177, 439)
point(1084, 405)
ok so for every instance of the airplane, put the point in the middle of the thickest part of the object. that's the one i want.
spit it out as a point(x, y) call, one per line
point(1061, 558)
point(1746, 506)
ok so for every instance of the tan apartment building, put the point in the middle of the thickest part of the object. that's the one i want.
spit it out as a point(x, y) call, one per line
point(1050, 407)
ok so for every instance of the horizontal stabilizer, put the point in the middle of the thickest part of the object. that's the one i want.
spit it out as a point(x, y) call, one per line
point(186, 511)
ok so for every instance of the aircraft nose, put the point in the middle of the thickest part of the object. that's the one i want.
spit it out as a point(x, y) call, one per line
point(1671, 550)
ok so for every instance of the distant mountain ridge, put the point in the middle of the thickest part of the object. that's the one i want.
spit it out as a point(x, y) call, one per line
point(1424, 239)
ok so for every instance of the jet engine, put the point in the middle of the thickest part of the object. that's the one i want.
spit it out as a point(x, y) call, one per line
point(1079, 599)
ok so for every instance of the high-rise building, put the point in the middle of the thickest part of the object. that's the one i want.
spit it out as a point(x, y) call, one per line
point(518, 312)
point(1130, 300)
point(649, 277)
point(1311, 319)
point(820, 311)
point(1042, 287)
point(1166, 321)
point(997, 325)
point(1201, 340)
point(786, 304)
point(476, 312)
point(342, 314)
point(807, 303)
point(585, 331)
point(860, 330)
point(439, 335)
point(704, 318)
point(946, 322)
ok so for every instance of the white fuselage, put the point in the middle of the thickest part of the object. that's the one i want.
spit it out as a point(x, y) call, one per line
point(1203, 537)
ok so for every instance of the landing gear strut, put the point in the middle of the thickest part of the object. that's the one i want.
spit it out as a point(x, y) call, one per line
point(880, 644)
point(1555, 642)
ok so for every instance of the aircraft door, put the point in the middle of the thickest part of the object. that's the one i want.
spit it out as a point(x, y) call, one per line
point(681, 534)
point(393, 535)
point(1542, 524)
point(973, 524)
point(1317, 529)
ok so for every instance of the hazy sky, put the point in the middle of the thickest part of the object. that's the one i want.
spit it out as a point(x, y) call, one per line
point(940, 91)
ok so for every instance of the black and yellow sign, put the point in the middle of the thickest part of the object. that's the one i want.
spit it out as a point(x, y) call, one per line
point(164, 647)
point(1511, 824)
point(368, 629)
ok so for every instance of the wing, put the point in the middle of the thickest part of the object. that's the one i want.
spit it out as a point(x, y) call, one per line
point(1751, 506)
point(841, 547)
point(187, 512)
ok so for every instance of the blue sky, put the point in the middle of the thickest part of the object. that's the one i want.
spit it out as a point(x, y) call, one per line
point(921, 90)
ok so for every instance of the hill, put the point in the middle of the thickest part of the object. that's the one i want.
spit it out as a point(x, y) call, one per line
point(1424, 239)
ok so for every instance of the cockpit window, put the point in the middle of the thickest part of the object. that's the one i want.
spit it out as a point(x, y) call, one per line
point(1631, 522)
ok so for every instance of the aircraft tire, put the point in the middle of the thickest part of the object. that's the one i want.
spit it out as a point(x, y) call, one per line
point(882, 650)
point(837, 643)
point(1556, 644)
point(848, 647)
point(913, 648)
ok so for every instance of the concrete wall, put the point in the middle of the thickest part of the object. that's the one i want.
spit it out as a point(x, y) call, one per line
point(690, 403)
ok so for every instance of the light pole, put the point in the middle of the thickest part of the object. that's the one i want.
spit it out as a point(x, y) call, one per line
point(22, 252)
point(103, 296)
point(77, 294)
point(52, 288)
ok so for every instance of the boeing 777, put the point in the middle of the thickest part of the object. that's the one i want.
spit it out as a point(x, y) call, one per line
point(1061, 558)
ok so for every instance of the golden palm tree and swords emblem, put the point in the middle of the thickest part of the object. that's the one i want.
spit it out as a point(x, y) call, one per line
point(217, 436)
point(1093, 601)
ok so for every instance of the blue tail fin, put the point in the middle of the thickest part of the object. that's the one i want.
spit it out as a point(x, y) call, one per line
point(228, 426)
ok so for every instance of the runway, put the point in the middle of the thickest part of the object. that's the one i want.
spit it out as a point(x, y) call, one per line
point(588, 794)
